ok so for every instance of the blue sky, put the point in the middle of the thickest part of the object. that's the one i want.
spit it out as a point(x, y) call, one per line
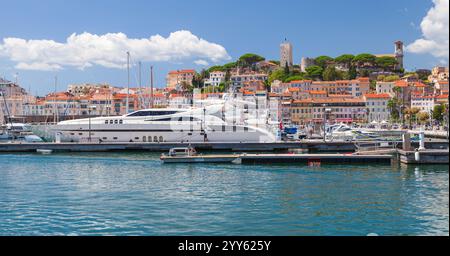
point(315, 28)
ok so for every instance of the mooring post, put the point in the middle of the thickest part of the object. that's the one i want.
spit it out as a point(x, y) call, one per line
point(422, 140)
point(406, 142)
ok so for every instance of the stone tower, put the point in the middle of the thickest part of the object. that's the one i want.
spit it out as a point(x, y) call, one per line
point(286, 54)
point(399, 54)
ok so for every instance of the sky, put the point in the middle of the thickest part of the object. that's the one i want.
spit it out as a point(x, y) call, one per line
point(85, 41)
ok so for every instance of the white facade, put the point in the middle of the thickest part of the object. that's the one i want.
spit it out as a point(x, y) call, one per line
point(424, 103)
point(385, 87)
point(238, 80)
point(216, 78)
point(377, 107)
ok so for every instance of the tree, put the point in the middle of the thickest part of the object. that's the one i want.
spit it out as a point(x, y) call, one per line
point(345, 59)
point(393, 108)
point(293, 78)
point(423, 117)
point(278, 74)
point(438, 113)
point(250, 59)
point(364, 59)
point(330, 74)
point(352, 73)
point(277, 62)
point(230, 65)
point(323, 61)
point(314, 72)
point(381, 78)
point(364, 73)
point(391, 78)
point(286, 69)
point(386, 63)
point(373, 85)
point(215, 68)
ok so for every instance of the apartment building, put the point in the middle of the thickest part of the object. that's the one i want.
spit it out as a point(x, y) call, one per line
point(177, 79)
point(377, 107)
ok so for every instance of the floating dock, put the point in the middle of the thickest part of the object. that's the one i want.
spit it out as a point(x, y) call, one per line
point(309, 159)
point(427, 156)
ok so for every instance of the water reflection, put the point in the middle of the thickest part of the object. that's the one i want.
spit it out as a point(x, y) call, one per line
point(134, 194)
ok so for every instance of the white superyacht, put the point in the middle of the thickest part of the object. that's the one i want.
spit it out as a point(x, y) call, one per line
point(207, 124)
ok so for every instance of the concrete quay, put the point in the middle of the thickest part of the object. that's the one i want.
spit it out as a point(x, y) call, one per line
point(424, 156)
point(307, 145)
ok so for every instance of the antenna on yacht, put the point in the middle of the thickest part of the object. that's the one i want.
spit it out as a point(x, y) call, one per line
point(128, 84)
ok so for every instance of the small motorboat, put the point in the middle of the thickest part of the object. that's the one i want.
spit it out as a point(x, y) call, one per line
point(44, 151)
point(190, 155)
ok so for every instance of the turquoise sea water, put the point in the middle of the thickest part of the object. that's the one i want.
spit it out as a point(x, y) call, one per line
point(135, 194)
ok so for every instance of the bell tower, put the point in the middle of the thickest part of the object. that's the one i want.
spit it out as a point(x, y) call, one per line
point(399, 54)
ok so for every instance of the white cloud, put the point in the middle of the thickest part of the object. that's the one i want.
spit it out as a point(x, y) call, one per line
point(435, 31)
point(109, 50)
point(201, 62)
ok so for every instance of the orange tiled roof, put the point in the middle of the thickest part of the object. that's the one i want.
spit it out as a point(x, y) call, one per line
point(317, 92)
point(184, 71)
point(401, 83)
point(379, 96)
point(293, 89)
point(300, 81)
point(419, 84)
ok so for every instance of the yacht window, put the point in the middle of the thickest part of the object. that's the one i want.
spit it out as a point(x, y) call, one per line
point(72, 134)
point(149, 138)
point(105, 138)
point(144, 138)
point(161, 139)
point(136, 138)
point(111, 121)
point(80, 133)
point(106, 121)
point(116, 121)
point(152, 113)
point(120, 121)
point(155, 139)
point(115, 138)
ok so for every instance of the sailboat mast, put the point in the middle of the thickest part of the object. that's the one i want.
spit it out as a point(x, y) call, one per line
point(128, 84)
point(140, 85)
point(151, 87)
point(55, 110)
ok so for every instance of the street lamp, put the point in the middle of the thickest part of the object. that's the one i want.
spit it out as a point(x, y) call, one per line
point(325, 117)
point(89, 111)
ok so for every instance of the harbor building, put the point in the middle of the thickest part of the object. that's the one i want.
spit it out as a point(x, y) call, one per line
point(238, 80)
point(377, 107)
point(179, 78)
point(215, 78)
point(286, 54)
point(385, 87)
point(12, 99)
point(425, 103)
point(438, 74)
